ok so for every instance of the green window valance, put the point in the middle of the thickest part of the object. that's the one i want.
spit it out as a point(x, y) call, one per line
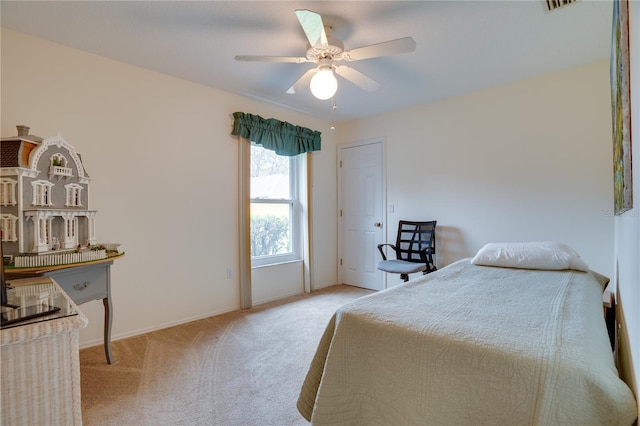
point(284, 138)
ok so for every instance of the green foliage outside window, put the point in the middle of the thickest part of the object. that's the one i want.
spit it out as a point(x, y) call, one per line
point(269, 235)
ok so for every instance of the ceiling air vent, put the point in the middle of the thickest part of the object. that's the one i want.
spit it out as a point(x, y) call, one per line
point(557, 4)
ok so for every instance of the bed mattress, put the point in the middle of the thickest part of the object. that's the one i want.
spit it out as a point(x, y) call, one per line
point(470, 345)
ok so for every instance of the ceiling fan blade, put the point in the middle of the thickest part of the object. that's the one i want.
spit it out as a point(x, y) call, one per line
point(302, 82)
point(259, 58)
point(357, 78)
point(392, 47)
point(313, 27)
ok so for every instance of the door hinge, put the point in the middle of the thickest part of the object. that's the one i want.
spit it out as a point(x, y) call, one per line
point(340, 261)
point(340, 163)
point(340, 212)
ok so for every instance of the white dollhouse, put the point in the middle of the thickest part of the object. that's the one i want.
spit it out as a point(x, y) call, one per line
point(44, 200)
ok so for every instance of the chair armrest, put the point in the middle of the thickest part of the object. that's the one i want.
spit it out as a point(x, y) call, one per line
point(384, 257)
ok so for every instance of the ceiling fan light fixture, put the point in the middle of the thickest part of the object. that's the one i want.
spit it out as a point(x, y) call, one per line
point(324, 84)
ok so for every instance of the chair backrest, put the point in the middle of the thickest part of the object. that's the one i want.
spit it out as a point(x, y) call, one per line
point(414, 237)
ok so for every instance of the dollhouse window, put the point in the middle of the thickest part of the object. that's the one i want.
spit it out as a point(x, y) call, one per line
point(42, 193)
point(8, 192)
point(73, 195)
point(59, 167)
point(58, 160)
point(8, 227)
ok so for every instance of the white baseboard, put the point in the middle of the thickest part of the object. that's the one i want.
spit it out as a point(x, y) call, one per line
point(132, 333)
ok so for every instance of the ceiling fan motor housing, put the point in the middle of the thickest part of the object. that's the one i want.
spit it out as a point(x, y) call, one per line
point(333, 50)
point(325, 64)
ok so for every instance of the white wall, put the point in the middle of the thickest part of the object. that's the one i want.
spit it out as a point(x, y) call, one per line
point(164, 169)
point(275, 282)
point(627, 226)
point(528, 161)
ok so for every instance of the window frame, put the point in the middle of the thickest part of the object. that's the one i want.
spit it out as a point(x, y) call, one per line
point(73, 195)
point(42, 193)
point(8, 192)
point(9, 226)
point(295, 225)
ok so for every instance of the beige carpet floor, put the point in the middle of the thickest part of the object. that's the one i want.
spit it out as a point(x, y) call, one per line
point(240, 368)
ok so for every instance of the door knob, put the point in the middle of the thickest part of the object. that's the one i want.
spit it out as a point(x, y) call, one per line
point(378, 225)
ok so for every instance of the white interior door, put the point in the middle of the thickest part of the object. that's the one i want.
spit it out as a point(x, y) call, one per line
point(361, 213)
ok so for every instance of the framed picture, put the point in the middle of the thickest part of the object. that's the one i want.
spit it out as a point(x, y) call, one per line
point(621, 108)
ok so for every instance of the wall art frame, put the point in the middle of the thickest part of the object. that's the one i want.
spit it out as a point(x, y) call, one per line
point(621, 108)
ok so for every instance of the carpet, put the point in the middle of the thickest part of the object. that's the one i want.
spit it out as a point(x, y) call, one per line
point(241, 368)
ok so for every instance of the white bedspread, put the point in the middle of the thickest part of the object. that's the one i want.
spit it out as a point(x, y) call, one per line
point(470, 345)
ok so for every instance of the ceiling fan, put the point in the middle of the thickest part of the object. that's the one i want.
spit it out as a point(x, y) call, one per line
point(325, 51)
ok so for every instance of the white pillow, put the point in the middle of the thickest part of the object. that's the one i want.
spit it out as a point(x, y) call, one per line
point(531, 255)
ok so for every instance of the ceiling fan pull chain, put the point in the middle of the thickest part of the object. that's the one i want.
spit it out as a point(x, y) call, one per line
point(333, 108)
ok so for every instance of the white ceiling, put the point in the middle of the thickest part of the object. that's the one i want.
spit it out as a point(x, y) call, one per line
point(461, 46)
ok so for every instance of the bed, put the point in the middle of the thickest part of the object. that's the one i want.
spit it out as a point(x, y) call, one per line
point(471, 344)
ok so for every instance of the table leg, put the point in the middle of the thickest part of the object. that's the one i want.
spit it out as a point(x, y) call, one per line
point(107, 329)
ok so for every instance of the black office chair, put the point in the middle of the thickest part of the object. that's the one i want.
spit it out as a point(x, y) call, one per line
point(415, 248)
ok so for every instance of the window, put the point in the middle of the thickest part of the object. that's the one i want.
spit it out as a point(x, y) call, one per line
point(42, 193)
point(274, 207)
point(59, 167)
point(8, 192)
point(8, 227)
point(58, 160)
point(73, 195)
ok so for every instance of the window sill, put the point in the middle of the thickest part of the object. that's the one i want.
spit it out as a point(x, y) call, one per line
point(286, 262)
